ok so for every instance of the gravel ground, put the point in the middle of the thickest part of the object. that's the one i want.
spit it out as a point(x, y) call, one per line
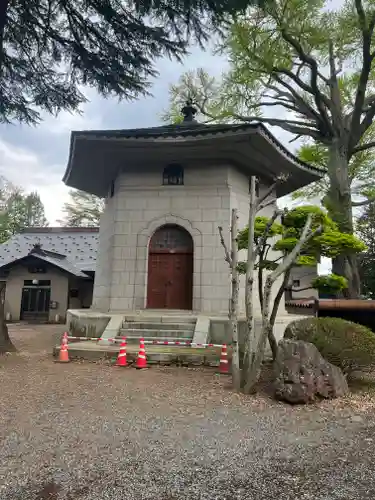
point(88, 431)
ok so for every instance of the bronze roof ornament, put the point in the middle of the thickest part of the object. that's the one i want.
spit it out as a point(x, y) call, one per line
point(189, 111)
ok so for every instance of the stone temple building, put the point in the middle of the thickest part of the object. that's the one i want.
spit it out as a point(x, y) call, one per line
point(167, 189)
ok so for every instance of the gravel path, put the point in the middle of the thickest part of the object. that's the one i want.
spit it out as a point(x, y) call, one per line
point(88, 431)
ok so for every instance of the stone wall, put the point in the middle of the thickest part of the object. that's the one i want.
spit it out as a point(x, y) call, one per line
point(141, 205)
point(103, 274)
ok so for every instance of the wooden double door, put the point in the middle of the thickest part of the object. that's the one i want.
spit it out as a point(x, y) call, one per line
point(170, 269)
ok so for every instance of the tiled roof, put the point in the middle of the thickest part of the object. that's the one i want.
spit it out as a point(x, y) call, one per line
point(78, 245)
point(329, 304)
point(193, 129)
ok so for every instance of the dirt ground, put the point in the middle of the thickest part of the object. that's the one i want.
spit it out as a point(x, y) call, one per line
point(86, 431)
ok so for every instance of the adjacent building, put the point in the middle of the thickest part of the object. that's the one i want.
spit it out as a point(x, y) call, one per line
point(47, 271)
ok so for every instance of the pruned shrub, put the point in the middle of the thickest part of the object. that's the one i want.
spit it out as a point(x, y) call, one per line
point(345, 344)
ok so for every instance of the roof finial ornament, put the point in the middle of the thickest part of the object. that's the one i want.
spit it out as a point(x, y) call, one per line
point(189, 111)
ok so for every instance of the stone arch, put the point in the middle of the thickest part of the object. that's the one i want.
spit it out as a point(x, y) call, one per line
point(143, 240)
point(170, 269)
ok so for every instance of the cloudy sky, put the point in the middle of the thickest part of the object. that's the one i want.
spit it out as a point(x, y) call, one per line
point(35, 157)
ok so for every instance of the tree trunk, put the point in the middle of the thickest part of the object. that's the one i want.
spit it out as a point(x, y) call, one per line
point(5, 342)
point(256, 365)
point(3, 21)
point(249, 299)
point(233, 309)
point(339, 205)
point(280, 294)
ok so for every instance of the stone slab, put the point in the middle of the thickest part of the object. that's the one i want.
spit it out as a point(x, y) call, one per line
point(202, 330)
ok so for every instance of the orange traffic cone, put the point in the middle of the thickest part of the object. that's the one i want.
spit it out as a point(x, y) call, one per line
point(121, 358)
point(141, 359)
point(64, 339)
point(63, 354)
point(224, 365)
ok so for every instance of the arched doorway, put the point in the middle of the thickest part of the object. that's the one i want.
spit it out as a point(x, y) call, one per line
point(170, 269)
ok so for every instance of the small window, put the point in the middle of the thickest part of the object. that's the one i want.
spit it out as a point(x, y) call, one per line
point(37, 282)
point(37, 269)
point(296, 283)
point(73, 293)
point(173, 175)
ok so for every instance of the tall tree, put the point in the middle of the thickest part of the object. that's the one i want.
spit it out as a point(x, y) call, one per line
point(83, 209)
point(313, 65)
point(19, 210)
point(49, 48)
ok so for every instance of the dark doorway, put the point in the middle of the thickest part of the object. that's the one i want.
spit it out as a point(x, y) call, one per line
point(35, 302)
point(170, 269)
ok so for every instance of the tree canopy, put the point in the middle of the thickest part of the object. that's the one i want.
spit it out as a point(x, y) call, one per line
point(307, 68)
point(83, 209)
point(19, 210)
point(327, 242)
point(49, 50)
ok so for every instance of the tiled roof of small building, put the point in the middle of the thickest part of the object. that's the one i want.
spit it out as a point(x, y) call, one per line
point(79, 245)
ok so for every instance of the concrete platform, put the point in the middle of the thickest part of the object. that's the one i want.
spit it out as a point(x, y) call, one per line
point(164, 355)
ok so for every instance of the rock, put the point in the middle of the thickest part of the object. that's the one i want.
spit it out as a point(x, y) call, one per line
point(302, 375)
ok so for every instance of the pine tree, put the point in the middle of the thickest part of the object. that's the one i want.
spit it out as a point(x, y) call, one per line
point(19, 210)
point(49, 49)
point(83, 209)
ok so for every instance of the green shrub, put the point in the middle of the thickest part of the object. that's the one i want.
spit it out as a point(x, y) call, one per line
point(343, 343)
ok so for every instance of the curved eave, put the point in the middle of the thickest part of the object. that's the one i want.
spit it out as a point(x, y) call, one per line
point(97, 156)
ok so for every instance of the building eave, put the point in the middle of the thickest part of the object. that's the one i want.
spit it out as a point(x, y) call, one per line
point(81, 165)
point(67, 268)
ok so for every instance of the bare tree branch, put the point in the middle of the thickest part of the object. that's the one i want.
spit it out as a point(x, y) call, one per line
point(299, 101)
point(223, 244)
point(293, 126)
point(321, 101)
point(266, 232)
point(363, 147)
point(266, 204)
point(367, 32)
point(265, 195)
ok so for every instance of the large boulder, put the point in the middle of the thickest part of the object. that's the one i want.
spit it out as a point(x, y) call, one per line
point(302, 375)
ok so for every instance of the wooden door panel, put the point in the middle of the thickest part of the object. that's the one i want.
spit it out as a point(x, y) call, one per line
point(158, 272)
point(179, 295)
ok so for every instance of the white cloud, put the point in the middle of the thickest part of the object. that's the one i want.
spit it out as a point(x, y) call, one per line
point(25, 169)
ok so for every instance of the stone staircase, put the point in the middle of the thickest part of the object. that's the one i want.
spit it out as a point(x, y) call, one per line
point(158, 329)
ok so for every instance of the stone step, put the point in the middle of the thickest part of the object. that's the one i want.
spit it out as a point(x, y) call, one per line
point(149, 332)
point(158, 326)
point(135, 340)
point(174, 319)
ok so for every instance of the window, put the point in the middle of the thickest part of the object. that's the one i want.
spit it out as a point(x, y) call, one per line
point(37, 269)
point(173, 175)
point(73, 293)
point(37, 283)
point(171, 237)
point(296, 283)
